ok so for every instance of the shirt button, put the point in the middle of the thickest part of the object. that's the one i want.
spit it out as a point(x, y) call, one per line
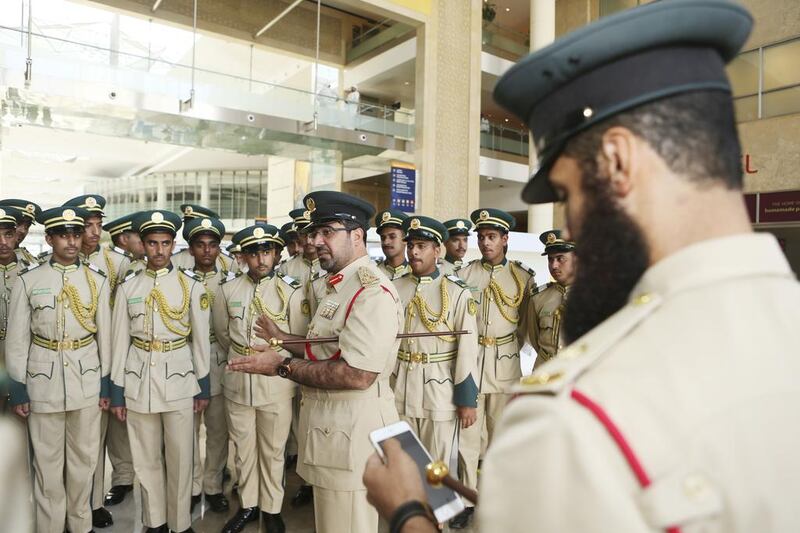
point(489, 323)
point(695, 487)
point(152, 363)
point(156, 284)
point(66, 363)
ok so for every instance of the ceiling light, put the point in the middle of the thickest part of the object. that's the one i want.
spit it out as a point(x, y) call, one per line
point(407, 83)
point(506, 120)
point(508, 9)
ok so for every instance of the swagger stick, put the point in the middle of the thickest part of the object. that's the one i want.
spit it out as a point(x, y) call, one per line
point(274, 343)
point(437, 474)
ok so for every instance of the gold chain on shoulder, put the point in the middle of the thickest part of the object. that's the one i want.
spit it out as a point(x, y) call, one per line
point(84, 314)
point(110, 270)
point(260, 308)
point(435, 320)
point(169, 315)
point(502, 299)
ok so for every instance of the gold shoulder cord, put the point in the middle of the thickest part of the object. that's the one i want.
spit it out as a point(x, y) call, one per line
point(429, 318)
point(84, 314)
point(170, 315)
point(494, 289)
point(260, 308)
point(112, 273)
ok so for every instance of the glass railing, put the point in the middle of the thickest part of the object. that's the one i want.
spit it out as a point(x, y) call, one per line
point(504, 42)
point(377, 36)
point(66, 59)
point(504, 139)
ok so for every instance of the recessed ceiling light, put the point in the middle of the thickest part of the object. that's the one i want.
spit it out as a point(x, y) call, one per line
point(506, 120)
point(508, 9)
point(407, 83)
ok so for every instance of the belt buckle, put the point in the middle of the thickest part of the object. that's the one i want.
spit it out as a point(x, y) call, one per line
point(489, 341)
point(156, 346)
point(415, 358)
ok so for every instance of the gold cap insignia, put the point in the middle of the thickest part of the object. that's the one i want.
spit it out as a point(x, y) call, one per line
point(414, 223)
point(206, 223)
point(307, 215)
point(386, 216)
point(157, 217)
point(188, 210)
point(311, 205)
point(460, 224)
point(68, 214)
point(484, 215)
point(2, 213)
point(91, 202)
point(30, 208)
point(258, 233)
point(551, 238)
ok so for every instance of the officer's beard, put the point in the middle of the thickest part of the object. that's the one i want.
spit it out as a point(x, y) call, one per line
point(612, 256)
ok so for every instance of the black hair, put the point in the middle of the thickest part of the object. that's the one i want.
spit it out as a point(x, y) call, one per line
point(351, 225)
point(694, 133)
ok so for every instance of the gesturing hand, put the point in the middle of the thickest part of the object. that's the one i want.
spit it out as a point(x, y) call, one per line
point(266, 329)
point(264, 361)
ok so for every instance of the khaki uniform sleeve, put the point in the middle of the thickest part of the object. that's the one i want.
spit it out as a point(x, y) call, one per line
point(18, 341)
point(220, 319)
point(120, 343)
point(465, 391)
point(371, 327)
point(522, 329)
point(124, 267)
point(102, 320)
point(532, 321)
point(201, 343)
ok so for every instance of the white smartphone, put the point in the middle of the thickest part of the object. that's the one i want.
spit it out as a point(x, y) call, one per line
point(445, 502)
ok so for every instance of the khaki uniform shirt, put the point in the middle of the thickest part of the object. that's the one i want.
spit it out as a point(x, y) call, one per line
point(711, 414)
point(184, 259)
point(219, 357)
point(394, 273)
point(544, 316)
point(448, 266)
point(41, 314)
point(499, 324)
point(361, 308)
point(9, 275)
point(235, 314)
point(136, 265)
point(24, 256)
point(301, 269)
point(316, 289)
point(433, 375)
point(169, 375)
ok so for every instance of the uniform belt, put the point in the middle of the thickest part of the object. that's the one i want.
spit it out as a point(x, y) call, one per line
point(158, 346)
point(496, 341)
point(2, 334)
point(242, 349)
point(212, 339)
point(424, 358)
point(65, 345)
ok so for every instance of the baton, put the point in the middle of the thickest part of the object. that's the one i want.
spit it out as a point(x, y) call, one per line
point(275, 343)
point(437, 474)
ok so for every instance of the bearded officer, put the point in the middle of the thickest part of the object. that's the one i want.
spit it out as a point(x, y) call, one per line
point(456, 245)
point(501, 288)
point(204, 236)
point(30, 212)
point(58, 358)
point(435, 378)
point(346, 392)
point(160, 372)
point(183, 258)
point(259, 407)
point(545, 313)
point(632, 427)
point(389, 227)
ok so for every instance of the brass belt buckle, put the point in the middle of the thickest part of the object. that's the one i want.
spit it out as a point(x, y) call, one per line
point(489, 341)
point(156, 346)
point(415, 358)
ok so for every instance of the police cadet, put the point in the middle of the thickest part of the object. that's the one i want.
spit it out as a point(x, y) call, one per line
point(289, 235)
point(456, 245)
point(435, 378)
point(160, 371)
point(10, 267)
point(545, 312)
point(633, 427)
point(123, 237)
point(184, 259)
point(389, 224)
point(259, 407)
point(346, 392)
point(114, 263)
point(204, 235)
point(30, 212)
point(58, 358)
point(304, 265)
point(500, 288)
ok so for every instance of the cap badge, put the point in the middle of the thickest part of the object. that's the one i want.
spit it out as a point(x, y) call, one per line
point(157, 217)
point(311, 205)
point(206, 223)
point(30, 208)
point(386, 216)
point(91, 202)
point(551, 238)
point(68, 214)
point(414, 223)
point(188, 210)
point(588, 112)
point(2, 213)
point(460, 224)
point(484, 215)
point(258, 233)
point(307, 215)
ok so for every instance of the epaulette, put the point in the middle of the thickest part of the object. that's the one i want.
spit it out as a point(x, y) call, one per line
point(289, 280)
point(131, 274)
point(524, 267)
point(458, 281)
point(32, 266)
point(121, 251)
point(93, 267)
point(573, 361)
point(190, 273)
point(42, 255)
point(367, 277)
point(226, 253)
point(318, 274)
point(230, 276)
point(540, 288)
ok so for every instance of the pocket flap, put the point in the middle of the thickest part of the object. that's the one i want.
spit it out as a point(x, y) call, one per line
point(546, 321)
point(40, 368)
point(89, 363)
point(179, 368)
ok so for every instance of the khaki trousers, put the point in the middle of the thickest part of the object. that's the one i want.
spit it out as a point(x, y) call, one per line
point(208, 477)
point(437, 436)
point(114, 441)
point(64, 455)
point(166, 484)
point(490, 408)
point(259, 435)
point(343, 512)
point(291, 444)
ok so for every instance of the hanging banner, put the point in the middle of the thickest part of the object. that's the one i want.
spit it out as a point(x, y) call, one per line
point(404, 186)
point(773, 207)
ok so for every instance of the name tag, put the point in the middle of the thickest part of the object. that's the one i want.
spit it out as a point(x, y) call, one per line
point(135, 300)
point(235, 304)
point(46, 290)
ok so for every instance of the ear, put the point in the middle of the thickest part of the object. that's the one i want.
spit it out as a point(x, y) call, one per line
point(48, 239)
point(619, 155)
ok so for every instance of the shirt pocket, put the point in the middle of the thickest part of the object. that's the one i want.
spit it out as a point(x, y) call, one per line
point(136, 312)
point(89, 366)
point(507, 364)
point(39, 380)
point(180, 379)
point(546, 321)
point(134, 370)
point(437, 391)
point(328, 441)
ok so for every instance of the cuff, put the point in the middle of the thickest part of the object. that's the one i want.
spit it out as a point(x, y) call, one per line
point(205, 388)
point(117, 395)
point(465, 394)
point(18, 393)
point(105, 386)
